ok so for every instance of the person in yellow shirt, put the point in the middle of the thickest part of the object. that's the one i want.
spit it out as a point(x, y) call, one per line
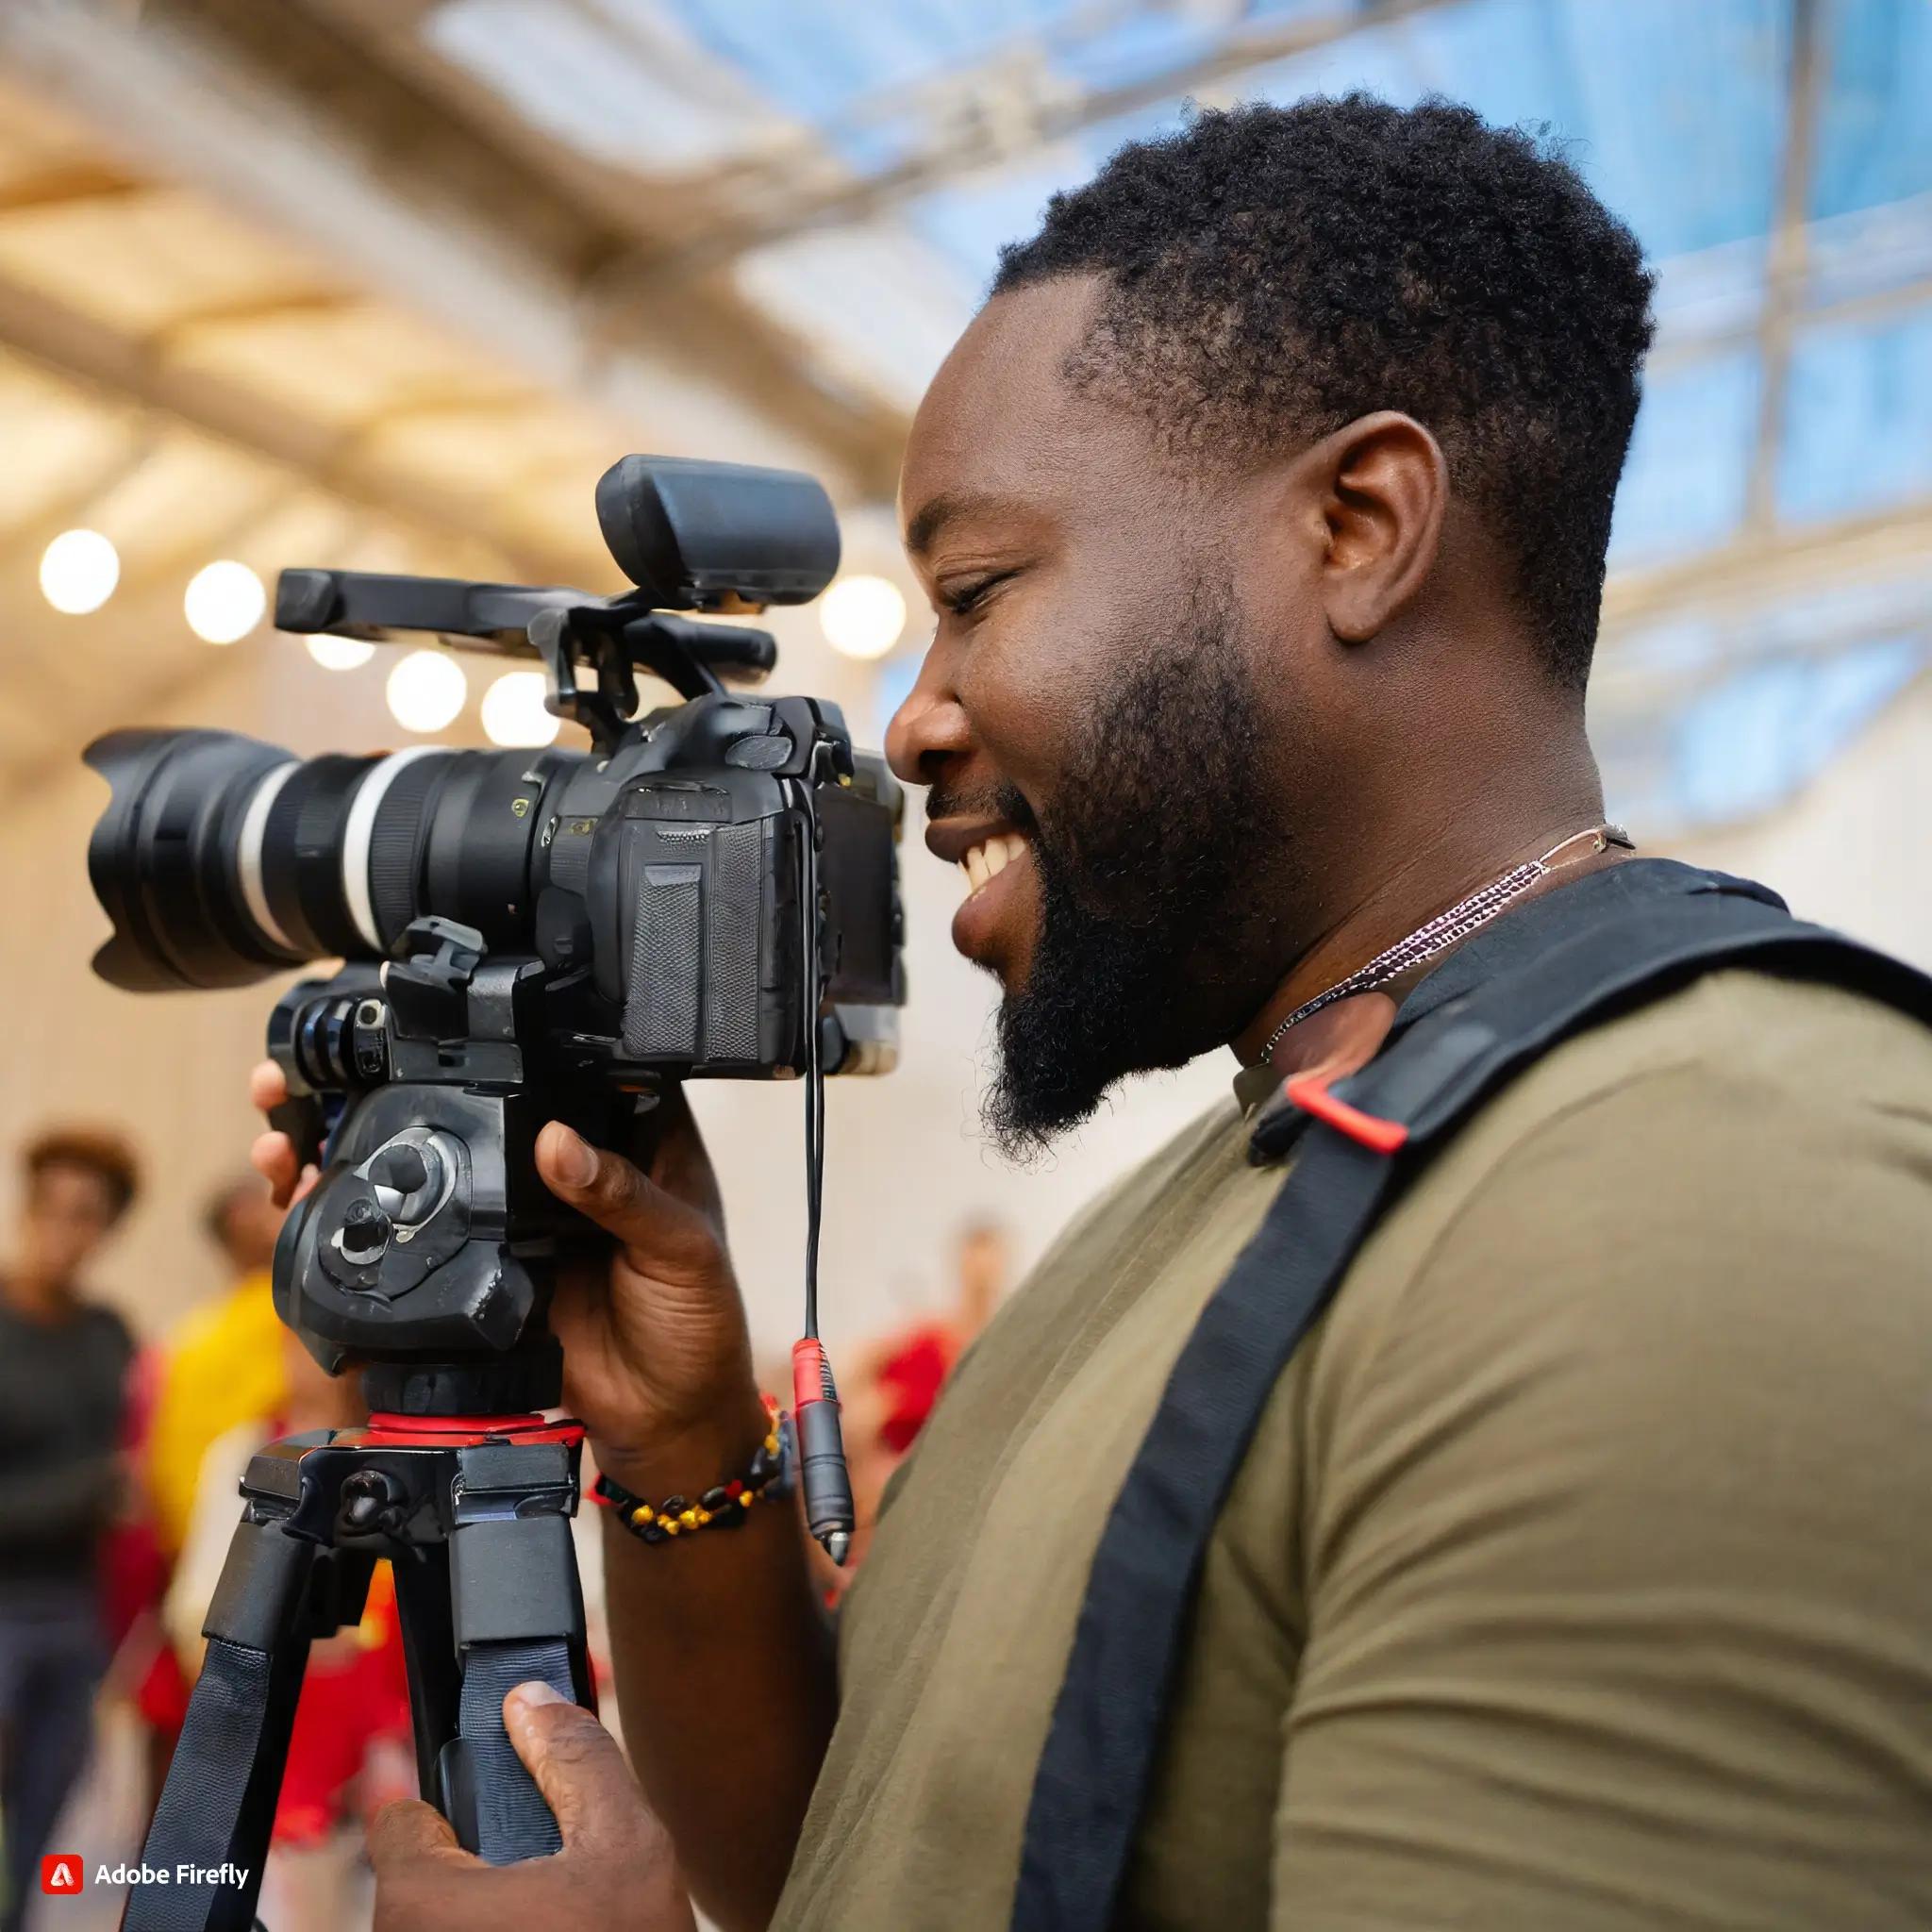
point(224, 1361)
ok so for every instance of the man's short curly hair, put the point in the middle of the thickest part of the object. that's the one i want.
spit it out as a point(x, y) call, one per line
point(1275, 273)
point(94, 1150)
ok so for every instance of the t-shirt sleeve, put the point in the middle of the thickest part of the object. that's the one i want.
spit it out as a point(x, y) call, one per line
point(1620, 1612)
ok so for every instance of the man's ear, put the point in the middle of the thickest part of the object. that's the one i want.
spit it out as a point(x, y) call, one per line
point(1384, 487)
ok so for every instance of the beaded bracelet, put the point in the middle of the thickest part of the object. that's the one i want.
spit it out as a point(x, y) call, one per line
point(724, 1507)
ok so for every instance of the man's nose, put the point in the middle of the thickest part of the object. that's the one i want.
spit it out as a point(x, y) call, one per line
point(929, 727)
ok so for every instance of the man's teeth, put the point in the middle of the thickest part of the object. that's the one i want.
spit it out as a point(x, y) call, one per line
point(989, 859)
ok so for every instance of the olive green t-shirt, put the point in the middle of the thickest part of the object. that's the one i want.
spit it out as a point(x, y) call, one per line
point(1579, 1576)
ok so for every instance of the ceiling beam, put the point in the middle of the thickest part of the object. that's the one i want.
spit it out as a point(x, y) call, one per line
point(61, 186)
point(275, 119)
point(1872, 306)
point(80, 349)
point(991, 116)
point(402, 115)
point(1763, 566)
point(1785, 271)
point(616, 223)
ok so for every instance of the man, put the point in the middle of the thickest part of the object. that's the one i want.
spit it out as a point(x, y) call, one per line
point(223, 1362)
point(63, 1360)
point(1572, 1578)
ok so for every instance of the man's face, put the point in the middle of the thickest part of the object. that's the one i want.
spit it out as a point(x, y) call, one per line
point(68, 1213)
point(1106, 717)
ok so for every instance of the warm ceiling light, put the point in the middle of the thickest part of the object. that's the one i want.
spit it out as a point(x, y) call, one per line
point(513, 709)
point(339, 653)
point(425, 691)
point(863, 616)
point(225, 602)
point(78, 571)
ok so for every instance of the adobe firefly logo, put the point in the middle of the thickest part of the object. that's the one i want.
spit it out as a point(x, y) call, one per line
point(62, 1872)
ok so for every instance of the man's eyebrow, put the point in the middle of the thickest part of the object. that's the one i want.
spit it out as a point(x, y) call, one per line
point(941, 510)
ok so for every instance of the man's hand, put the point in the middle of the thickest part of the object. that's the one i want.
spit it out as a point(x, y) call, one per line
point(657, 1360)
point(616, 1869)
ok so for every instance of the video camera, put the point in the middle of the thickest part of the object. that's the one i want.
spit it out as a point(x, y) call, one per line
point(710, 892)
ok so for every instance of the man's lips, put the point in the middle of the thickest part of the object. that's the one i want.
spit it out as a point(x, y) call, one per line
point(993, 856)
point(952, 839)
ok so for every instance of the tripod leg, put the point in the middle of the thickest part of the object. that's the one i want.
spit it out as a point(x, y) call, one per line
point(517, 1609)
point(210, 1829)
point(430, 1652)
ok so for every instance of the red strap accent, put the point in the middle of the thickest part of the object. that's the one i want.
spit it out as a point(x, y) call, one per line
point(1310, 1092)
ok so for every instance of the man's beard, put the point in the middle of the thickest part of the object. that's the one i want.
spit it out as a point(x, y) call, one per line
point(1149, 859)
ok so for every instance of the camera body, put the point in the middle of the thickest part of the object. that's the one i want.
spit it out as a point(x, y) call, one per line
point(712, 892)
point(679, 901)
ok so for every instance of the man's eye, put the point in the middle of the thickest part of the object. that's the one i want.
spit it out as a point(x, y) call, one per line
point(961, 602)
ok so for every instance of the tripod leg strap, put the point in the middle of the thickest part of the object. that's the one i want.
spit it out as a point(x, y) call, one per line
point(489, 1797)
point(219, 1802)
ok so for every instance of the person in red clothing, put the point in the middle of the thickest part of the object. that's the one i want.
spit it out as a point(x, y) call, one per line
point(909, 1368)
point(895, 1383)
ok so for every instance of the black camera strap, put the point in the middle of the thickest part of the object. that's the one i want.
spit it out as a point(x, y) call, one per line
point(1600, 947)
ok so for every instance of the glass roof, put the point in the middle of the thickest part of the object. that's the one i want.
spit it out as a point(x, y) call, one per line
point(1771, 583)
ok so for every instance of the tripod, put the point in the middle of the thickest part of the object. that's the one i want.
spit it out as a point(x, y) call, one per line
point(474, 1513)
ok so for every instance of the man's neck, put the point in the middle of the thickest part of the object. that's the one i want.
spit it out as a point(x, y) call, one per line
point(36, 1298)
point(1435, 871)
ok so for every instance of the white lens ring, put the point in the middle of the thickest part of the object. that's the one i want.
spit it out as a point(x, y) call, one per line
point(360, 830)
point(248, 857)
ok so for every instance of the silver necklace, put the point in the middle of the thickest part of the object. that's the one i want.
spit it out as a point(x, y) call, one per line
point(1447, 929)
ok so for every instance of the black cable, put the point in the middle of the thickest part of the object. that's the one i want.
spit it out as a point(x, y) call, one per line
point(824, 1482)
point(814, 1077)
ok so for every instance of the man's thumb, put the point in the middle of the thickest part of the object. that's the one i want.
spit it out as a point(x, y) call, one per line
point(657, 1230)
point(577, 1764)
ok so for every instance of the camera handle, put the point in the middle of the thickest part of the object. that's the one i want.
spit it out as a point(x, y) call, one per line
point(618, 639)
point(618, 635)
point(473, 1514)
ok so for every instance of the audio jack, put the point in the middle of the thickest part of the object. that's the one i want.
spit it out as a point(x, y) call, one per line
point(823, 1477)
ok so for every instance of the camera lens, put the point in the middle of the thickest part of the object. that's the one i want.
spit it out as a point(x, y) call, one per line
point(164, 858)
point(222, 861)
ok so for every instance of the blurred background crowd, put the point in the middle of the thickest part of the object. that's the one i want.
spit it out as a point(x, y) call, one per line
point(385, 284)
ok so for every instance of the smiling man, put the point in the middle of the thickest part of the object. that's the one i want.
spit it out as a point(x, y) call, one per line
point(1571, 1579)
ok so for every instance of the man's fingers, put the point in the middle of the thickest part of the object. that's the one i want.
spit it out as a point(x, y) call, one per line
point(659, 1231)
point(578, 1767)
point(409, 1830)
point(678, 1160)
point(272, 1157)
